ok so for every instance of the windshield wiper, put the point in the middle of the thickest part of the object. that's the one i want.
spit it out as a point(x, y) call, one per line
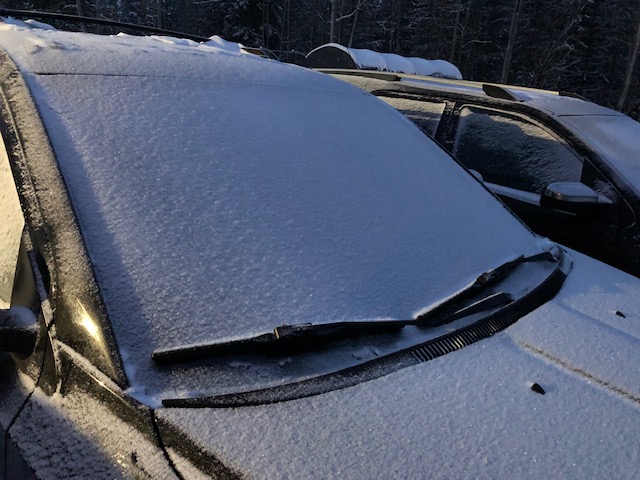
point(284, 339)
point(287, 339)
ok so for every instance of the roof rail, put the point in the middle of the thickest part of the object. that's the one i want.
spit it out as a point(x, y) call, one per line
point(498, 91)
point(572, 95)
point(7, 12)
point(376, 74)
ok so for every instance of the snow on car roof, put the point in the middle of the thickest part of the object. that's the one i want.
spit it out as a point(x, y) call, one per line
point(221, 195)
point(48, 51)
point(385, 62)
point(552, 102)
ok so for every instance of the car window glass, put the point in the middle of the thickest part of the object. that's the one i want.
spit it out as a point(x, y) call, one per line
point(511, 151)
point(11, 225)
point(424, 114)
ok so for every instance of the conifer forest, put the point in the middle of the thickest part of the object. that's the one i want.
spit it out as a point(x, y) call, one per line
point(588, 47)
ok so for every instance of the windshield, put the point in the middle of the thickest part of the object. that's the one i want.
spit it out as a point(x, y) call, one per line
point(215, 209)
point(615, 137)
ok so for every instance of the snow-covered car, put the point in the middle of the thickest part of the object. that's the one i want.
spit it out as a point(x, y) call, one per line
point(216, 265)
point(570, 169)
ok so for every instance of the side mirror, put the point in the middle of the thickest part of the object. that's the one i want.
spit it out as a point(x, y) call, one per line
point(575, 198)
point(18, 331)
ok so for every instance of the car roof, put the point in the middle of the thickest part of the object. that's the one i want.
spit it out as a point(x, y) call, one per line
point(551, 102)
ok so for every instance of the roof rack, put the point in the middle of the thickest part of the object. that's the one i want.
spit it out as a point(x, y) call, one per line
point(498, 91)
point(376, 74)
point(572, 95)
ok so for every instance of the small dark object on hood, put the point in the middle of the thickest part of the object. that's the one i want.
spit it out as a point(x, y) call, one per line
point(620, 314)
point(538, 389)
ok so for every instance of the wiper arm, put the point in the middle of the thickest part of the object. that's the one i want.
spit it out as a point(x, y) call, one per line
point(490, 278)
point(287, 339)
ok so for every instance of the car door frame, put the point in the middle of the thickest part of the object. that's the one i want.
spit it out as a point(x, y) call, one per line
point(593, 165)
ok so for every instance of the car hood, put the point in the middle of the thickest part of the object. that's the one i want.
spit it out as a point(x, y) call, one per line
point(471, 413)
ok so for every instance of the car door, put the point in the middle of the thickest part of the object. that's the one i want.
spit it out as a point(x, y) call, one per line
point(518, 158)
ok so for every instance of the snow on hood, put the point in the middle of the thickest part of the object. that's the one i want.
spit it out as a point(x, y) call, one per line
point(390, 62)
point(469, 414)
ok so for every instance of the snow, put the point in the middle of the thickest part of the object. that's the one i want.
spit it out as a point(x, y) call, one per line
point(615, 137)
point(508, 150)
point(223, 44)
point(389, 62)
point(78, 435)
point(27, 23)
point(285, 197)
point(11, 225)
point(470, 414)
point(222, 194)
point(581, 327)
point(47, 51)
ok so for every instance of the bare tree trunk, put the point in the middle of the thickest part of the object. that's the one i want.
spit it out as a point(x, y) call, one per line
point(288, 20)
point(456, 25)
point(513, 31)
point(629, 75)
point(353, 26)
point(395, 38)
point(334, 16)
point(159, 22)
point(341, 24)
point(463, 32)
point(265, 23)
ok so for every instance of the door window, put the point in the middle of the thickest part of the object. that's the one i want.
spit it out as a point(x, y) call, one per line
point(512, 151)
point(425, 114)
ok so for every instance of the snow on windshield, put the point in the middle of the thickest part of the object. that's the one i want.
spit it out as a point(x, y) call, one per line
point(215, 208)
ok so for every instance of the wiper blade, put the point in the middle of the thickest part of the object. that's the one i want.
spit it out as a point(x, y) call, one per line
point(287, 339)
point(284, 339)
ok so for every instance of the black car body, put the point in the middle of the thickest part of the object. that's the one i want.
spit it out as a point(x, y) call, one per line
point(567, 167)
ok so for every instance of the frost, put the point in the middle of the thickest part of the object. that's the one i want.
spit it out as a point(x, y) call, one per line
point(221, 196)
point(366, 353)
point(470, 414)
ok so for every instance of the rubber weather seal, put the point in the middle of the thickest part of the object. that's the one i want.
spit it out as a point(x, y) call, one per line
point(373, 369)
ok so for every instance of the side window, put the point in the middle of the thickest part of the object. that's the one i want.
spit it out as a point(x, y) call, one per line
point(425, 114)
point(511, 151)
point(11, 226)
